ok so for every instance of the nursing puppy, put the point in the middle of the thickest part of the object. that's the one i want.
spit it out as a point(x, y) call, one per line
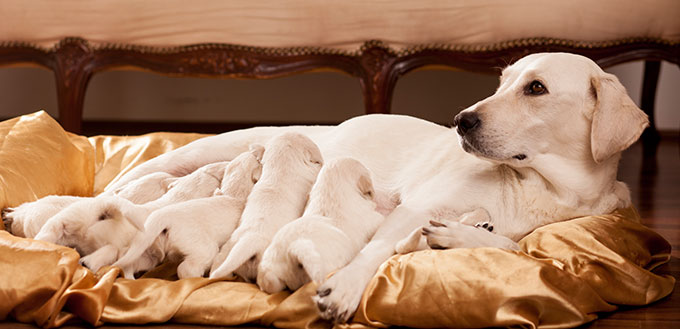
point(290, 165)
point(543, 148)
point(338, 221)
point(27, 219)
point(196, 229)
point(106, 224)
point(147, 188)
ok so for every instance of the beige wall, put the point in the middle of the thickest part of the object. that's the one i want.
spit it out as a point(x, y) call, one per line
point(317, 97)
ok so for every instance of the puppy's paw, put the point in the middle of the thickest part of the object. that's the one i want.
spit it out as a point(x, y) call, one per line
point(8, 218)
point(92, 262)
point(338, 298)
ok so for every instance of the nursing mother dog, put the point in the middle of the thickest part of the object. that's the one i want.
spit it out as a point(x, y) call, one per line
point(543, 148)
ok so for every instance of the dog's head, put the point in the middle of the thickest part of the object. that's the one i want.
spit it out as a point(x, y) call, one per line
point(552, 103)
point(242, 173)
point(342, 181)
point(294, 152)
point(88, 224)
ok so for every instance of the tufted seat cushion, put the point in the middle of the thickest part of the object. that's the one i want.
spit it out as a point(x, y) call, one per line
point(336, 24)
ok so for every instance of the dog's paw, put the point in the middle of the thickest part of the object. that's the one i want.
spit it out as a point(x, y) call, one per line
point(338, 298)
point(449, 235)
point(485, 225)
point(7, 218)
point(92, 262)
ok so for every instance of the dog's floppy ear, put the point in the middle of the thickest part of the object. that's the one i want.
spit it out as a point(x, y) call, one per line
point(617, 121)
point(257, 150)
point(366, 187)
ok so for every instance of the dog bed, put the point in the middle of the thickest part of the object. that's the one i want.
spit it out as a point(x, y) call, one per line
point(565, 274)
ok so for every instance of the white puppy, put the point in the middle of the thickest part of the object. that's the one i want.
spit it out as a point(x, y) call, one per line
point(290, 165)
point(27, 219)
point(147, 188)
point(196, 229)
point(80, 226)
point(338, 221)
point(543, 148)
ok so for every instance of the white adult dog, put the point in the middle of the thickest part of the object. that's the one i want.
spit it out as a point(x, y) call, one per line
point(27, 219)
point(196, 229)
point(543, 148)
point(290, 165)
point(338, 221)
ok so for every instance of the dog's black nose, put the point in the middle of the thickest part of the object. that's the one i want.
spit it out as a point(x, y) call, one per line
point(466, 121)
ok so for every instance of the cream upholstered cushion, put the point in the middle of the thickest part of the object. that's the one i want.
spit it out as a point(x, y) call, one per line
point(338, 24)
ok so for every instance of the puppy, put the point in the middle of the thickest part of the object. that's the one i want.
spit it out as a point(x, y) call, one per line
point(196, 229)
point(27, 219)
point(290, 165)
point(147, 188)
point(339, 220)
point(199, 184)
point(80, 224)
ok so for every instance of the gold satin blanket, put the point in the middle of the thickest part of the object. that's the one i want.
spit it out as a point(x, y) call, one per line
point(565, 273)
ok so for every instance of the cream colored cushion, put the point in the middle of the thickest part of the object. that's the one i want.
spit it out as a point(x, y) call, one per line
point(341, 24)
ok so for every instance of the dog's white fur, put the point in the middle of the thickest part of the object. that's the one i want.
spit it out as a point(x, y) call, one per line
point(147, 188)
point(196, 229)
point(290, 165)
point(27, 219)
point(201, 183)
point(101, 228)
point(338, 221)
point(533, 160)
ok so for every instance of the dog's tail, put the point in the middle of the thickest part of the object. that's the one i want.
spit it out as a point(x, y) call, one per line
point(154, 227)
point(308, 259)
point(244, 249)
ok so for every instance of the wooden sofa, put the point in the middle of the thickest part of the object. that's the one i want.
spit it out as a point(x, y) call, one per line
point(375, 42)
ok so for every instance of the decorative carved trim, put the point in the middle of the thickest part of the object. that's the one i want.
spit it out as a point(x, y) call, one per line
point(376, 64)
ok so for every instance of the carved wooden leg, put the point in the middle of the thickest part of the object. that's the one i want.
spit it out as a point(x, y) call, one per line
point(73, 70)
point(650, 137)
point(379, 77)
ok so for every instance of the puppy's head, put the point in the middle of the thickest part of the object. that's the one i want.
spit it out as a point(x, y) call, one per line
point(293, 151)
point(88, 224)
point(201, 182)
point(552, 103)
point(347, 176)
point(242, 173)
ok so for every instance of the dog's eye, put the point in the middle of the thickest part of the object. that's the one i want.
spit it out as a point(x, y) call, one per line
point(103, 216)
point(535, 88)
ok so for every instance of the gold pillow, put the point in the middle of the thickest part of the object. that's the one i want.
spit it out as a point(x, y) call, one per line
point(38, 158)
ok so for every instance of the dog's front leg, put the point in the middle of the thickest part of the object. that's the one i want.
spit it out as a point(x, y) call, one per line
point(339, 296)
point(103, 256)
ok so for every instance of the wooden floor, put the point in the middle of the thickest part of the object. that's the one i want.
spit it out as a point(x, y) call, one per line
point(654, 179)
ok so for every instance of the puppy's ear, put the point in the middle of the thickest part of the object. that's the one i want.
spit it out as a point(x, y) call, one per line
point(257, 150)
point(617, 121)
point(365, 186)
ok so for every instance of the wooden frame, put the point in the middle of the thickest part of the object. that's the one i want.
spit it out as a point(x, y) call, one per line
point(378, 67)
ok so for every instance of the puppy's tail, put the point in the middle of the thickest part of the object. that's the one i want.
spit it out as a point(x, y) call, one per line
point(155, 226)
point(244, 249)
point(308, 259)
